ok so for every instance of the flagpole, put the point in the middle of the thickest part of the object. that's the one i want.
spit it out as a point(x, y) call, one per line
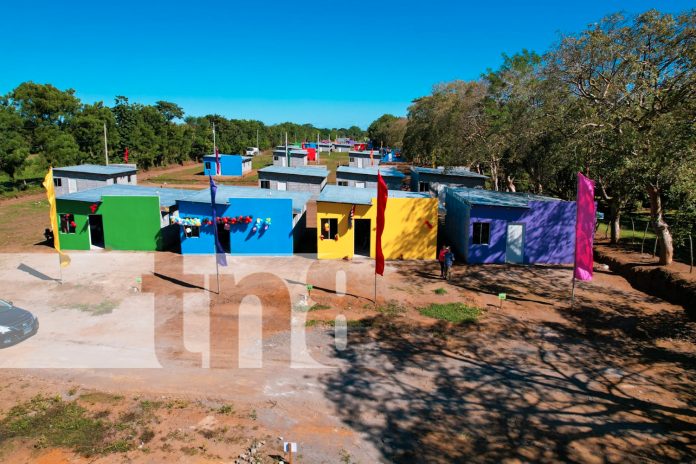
point(60, 266)
point(106, 149)
point(575, 248)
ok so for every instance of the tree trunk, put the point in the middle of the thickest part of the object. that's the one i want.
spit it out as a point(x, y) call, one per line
point(614, 221)
point(494, 175)
point(511, 184)
point(664, 237)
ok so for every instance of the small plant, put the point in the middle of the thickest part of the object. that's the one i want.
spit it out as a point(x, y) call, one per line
point(226, 409)
point(392, 309)
point(311, 322)
point(453, 312)
point(72, 391)
point(252, 414)
point(440, 291)
point(318, 307)
point(344, 456)
point(147, 435)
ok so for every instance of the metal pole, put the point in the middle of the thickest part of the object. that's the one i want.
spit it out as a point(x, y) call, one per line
point(287, 156)
point(691, 248)
point(375, 284)
point(106, 149)
point(214, 138)
point(60, 268)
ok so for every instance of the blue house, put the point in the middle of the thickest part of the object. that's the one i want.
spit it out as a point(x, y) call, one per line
point(251, 221)
point(230, 165)
point(484, 226)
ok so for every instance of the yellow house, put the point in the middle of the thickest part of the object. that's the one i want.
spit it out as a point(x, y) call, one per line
point(347, 222)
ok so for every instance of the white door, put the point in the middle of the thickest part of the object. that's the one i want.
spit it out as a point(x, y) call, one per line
point(360, 162)
point(282, 185)
point(72, 185)
point(360, 185)
point(514, 250)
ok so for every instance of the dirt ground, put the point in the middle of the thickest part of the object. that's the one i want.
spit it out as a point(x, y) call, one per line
point(609, 380)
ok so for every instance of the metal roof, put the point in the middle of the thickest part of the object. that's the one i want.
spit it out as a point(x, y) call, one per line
point(480, 197)
point(225, 192)
point(360, 196)
point(212, 157)
point(375, 153)
point(167, 196)
point(108, 170)
point(318, 171)
point(371, 171)
point(448, 171)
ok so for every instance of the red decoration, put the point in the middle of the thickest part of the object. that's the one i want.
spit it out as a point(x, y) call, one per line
point(427, 223)
point(72, 224)
point(93, 207)
point(382, 195)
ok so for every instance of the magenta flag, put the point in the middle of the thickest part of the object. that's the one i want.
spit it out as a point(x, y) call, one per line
point(584, 228)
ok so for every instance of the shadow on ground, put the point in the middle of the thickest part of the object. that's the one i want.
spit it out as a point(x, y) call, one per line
point(606, 383)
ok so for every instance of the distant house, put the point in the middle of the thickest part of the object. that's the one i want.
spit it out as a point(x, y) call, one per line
point(342, 146)
point(298, 157)
point(434, 180)
point(347, 176)
point(71, 179)
point(325, 146)
point(363, 159)
point(299, 179)
point(485, 226)
point(230, 165)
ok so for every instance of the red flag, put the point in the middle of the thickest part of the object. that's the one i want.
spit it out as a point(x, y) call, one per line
point(584, 228)
point(382, 195)
point(217, 161)
point(125, 155)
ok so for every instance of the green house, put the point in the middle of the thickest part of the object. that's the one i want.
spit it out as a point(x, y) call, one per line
point(119, 217)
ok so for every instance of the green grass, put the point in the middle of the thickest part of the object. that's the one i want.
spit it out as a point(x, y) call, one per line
point(262, 160)
point(452, 312)
point(105, 307)
point(440, 291)
point(318, 307)
point(332, 161)
point(391, 309)
point(350, 323)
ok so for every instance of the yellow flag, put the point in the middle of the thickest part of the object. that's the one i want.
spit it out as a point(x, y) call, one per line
point(51, 195)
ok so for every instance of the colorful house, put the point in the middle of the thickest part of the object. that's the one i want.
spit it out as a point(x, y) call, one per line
point(347, 176)
point(251, 221)
point(346, 222)
point(298, 179)
point(230, 165)
point(484, 226)
point(69, 179)
point(119, 217)
point(364, 159)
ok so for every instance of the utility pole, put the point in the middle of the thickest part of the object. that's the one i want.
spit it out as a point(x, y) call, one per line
point(287, 153)
point(106, 149)
point(257, 139)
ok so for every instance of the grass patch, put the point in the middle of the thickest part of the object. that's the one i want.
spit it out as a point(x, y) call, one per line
point(392, 309)
point(452, 312)
point(440, 291)
point(100, 397)
point(105, 307)
point(226, 409)
point(318, 307)
point(350, 323)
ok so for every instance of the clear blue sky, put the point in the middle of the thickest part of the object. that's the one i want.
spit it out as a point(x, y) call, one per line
point(324, 62)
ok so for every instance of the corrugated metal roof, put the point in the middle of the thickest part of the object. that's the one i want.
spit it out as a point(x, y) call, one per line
point(375, 153)
point(167, 196)
point(319, 171)
point(212, 157)
point(475, 196)
point(371, 171)
point(453, 171)
point(360, 196)
point(110, 170)
point(225, 192)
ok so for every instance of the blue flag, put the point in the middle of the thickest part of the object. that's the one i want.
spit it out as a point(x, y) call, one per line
point(219, 252)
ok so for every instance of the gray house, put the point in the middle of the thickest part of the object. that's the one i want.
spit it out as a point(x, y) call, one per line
point(325, 146)
point(71, 179)
point(434, 180)
point(294, 179)
point(363, 159)
point(347, 176)
point(298, 157)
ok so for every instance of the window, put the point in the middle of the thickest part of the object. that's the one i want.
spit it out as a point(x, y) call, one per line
point(67, 224)
point(129, 178)
point(423, 186)
point(482, 233)
point(275, 158)
point(192, 231)
point(58, 182)
point(265, 184)
point(360, 185)
point(329, 229)
point(207, 165)
point(351, 160)
point(342, 183)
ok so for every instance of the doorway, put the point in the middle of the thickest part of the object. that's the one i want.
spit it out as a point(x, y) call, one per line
point(361, 236)
point(514, 249)
point(224, 237)
point(96, 230)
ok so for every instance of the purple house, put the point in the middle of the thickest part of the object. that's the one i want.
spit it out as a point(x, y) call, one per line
point(484, 226)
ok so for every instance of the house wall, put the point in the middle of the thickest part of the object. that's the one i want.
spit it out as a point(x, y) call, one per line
point(130, 223)
point(364, 161)
point(295, 160)
point(294, 183)
point(549, 236)
point(277, 240)
point(393, 183)
point(406, 234)
point(229, 166)
point(86, 181)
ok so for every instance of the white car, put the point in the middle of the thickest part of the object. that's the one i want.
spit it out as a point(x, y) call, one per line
point(252, 151)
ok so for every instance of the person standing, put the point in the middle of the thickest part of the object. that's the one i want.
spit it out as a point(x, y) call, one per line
point(449, 260)
point(441, 259)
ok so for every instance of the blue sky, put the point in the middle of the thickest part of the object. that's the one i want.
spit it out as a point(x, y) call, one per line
point(329, 63)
